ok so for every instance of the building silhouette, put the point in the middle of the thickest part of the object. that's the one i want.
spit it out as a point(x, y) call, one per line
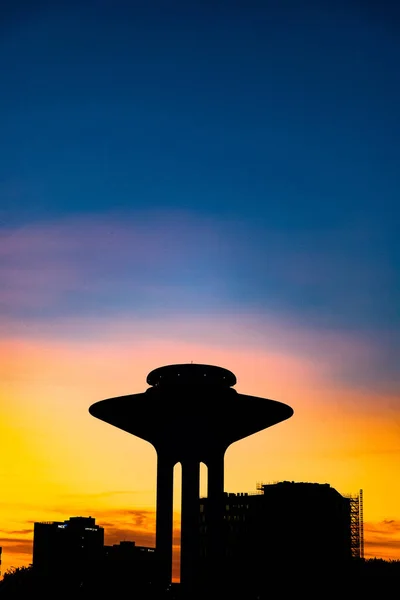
point(73, 552)
point(126, 564)
point(127, 552)
point(306, 528)
point(190, 414)
point(72, 546)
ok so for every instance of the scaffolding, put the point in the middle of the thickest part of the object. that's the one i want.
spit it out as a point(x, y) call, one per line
point(357, 525)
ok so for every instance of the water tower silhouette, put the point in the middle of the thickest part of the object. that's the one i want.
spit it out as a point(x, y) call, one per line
point(190, 414)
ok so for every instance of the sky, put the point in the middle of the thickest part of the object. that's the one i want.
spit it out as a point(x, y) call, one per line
point(214, 182)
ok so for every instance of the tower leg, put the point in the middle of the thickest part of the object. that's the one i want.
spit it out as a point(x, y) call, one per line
point(215, 518)
point(190, 525)
point(164, 522)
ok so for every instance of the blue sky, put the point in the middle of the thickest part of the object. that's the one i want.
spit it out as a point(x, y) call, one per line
point(203, 157)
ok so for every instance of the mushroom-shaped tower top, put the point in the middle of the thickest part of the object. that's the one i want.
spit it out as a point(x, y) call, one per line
point(191, 375)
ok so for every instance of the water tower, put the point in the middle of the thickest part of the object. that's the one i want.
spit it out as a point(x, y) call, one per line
point(190, 414)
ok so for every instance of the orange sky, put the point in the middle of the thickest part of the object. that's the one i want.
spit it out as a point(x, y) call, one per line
point(57, 461)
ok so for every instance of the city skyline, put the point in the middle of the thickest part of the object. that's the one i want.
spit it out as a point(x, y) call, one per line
point(213, 184)
point(50, 544)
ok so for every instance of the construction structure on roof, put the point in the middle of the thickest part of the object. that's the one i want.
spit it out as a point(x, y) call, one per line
point(357, 525)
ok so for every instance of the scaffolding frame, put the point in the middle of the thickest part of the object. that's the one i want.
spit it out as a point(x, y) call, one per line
point(357, 525)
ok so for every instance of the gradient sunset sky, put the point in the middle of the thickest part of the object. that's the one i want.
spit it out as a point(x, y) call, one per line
point(210, 181)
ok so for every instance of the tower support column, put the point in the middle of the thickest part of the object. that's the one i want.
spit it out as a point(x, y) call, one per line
point(190, 522)
point(164, 517)
point(215, 517)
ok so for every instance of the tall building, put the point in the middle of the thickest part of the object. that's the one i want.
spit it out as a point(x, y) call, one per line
point(71, 546)
point(299, 527)
point(190, 414)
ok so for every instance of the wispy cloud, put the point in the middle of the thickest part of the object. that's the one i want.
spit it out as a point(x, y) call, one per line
point(326, 277)
point(341, 358)
point(113, 261)
point(387, 527)
point(11, 532)
point(382, 539)
point(17, 546)
point(124, 271)
point(98, 495)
